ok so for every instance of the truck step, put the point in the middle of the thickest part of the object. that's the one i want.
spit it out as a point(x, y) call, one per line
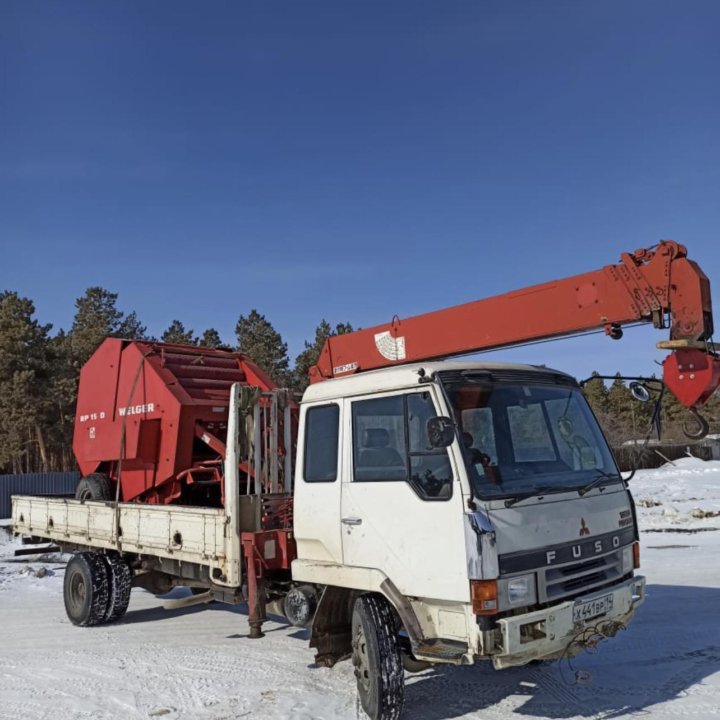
point(441, 650)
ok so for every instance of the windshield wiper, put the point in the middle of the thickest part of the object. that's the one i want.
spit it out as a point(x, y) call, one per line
point(597, 480)
point(544, 490)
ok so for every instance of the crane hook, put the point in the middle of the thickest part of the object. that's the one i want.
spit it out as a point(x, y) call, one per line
point(700, 431)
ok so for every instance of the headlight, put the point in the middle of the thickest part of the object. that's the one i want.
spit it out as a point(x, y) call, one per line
point(521, 590)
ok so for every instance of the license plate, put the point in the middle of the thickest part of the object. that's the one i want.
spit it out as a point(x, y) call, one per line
point(592, 608)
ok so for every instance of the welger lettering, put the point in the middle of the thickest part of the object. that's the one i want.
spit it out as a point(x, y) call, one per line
point(136, 409)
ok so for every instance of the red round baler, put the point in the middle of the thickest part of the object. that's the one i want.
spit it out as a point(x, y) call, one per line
point(155, 416)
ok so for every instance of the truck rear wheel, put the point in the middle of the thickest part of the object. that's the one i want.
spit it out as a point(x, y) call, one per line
point(96, 486)
point(120, 578)
point(85, 589)
point(377, 659)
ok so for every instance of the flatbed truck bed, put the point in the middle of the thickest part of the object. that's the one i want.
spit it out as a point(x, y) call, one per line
point(195, 535)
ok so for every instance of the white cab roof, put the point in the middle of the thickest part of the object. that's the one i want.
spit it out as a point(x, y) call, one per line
point(402, 376)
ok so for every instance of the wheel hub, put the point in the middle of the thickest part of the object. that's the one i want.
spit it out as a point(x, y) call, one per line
point(360, 659)
point(77, 590)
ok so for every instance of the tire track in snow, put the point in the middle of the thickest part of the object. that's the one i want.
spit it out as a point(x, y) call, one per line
point(201, 679)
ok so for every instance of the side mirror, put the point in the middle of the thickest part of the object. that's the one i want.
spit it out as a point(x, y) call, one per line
point(440, 431)
point(639, 391)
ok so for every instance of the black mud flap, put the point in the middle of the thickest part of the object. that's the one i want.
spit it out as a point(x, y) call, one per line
point(332, 626)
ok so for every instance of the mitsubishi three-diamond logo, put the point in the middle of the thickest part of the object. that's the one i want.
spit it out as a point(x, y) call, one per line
point(584, 529)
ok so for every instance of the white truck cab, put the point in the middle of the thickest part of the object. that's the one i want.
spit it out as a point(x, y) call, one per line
point(504, 538)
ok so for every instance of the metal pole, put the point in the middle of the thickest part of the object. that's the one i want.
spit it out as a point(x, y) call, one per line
point(257, 440)
point(287, 441)
point(274, 442)
point(232, 491)
point(266, 469)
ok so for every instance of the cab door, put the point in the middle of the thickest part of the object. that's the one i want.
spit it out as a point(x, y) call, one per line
point(317, 483)
point(401, 507)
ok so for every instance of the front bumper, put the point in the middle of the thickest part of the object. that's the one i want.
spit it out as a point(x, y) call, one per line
point(555, 632)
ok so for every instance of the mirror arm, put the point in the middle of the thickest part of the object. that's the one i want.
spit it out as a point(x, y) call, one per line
point(636, 378)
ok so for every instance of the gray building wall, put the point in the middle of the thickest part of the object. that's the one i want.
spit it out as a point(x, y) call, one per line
point(53, 483)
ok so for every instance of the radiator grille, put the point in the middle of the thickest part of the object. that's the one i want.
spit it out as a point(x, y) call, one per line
point(576, 578)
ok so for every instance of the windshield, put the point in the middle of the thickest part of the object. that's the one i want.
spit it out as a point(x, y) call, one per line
point(524, 438)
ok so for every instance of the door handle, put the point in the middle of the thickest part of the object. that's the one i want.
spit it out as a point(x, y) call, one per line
point(352, 521)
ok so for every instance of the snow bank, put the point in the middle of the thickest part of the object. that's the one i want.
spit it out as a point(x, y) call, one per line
point(198, 664)
point(681, 496)
point(5, 538)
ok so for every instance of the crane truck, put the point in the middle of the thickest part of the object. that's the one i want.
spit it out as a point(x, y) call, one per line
point(439, 511)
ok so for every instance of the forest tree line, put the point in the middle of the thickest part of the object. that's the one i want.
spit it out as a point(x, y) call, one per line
point(39, 369)
point(39, 373)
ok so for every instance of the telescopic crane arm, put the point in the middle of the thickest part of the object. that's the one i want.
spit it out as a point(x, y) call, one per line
point(658, 285)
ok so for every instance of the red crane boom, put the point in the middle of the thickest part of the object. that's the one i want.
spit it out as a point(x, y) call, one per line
point(658, 285)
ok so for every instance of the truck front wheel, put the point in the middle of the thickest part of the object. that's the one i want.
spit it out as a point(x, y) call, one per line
point(86, 588)
point(377, 659)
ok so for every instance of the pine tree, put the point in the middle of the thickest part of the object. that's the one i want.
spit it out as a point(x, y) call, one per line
point(211, 339)
point(131, 328)
point(63, 394)
point(619, 401)
point(310, 355)
point(96, 318)
point(596, 393)
point(258, 339)
point(24, 376)
point(177, 334)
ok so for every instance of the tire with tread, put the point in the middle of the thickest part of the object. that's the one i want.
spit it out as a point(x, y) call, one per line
point(86, 589)
point(377, 659)
point(96, 486)
point(120, 579)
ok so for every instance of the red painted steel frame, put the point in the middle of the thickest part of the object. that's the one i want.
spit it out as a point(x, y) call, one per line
point(160, 408)
point(659, 285)
point(264, 551)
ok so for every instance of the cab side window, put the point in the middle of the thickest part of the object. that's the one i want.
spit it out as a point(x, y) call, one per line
point(321, 443)
point(390, 443)
point(379, 447)
point(430, 469)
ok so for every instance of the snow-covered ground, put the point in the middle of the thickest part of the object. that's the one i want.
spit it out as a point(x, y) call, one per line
point(197, 663)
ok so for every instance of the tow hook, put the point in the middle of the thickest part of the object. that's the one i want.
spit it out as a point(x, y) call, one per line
point(698, 429)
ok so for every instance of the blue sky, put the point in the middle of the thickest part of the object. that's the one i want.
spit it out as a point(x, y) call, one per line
point(352, 160)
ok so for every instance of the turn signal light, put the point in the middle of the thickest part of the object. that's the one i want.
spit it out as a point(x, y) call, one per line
point(484, 595)
point(636, 555)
